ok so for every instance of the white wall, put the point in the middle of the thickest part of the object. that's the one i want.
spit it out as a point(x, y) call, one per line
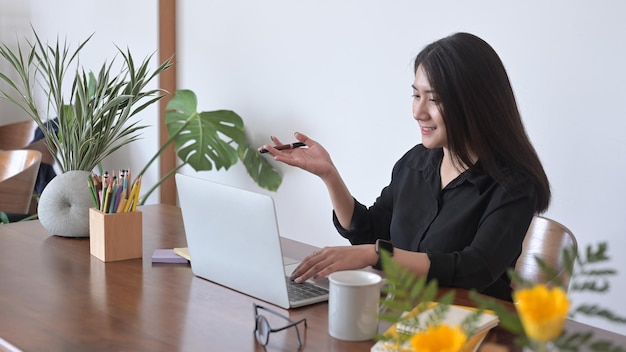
point(340, 71)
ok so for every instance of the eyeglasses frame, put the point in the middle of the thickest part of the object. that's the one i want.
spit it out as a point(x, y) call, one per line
point(271, 330)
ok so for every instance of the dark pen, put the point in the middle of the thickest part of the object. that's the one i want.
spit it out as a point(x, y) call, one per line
point(285, 146)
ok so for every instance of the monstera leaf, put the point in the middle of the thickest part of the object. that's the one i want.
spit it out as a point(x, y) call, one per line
point(211, 139)
point(199, 134)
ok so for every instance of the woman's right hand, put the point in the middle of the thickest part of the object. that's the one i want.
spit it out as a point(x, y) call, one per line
point(330, 259)
point(314, 159)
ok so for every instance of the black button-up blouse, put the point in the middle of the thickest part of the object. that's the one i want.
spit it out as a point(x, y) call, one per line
point(472, 230)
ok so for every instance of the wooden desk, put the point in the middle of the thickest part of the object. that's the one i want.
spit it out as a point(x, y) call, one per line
point(55, 296)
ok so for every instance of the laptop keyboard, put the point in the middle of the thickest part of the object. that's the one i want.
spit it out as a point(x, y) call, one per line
point(304, 290)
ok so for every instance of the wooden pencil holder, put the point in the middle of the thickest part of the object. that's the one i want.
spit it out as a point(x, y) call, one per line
point(115, 236)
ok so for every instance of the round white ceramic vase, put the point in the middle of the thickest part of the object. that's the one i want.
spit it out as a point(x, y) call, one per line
point(64, 205)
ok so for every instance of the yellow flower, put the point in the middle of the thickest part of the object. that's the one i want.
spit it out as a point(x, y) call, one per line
point(542, 311)
point(442, 338)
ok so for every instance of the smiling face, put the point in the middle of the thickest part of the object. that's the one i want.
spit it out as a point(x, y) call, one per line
point(426, 112)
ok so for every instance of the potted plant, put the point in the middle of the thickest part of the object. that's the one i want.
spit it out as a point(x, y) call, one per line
point(93, 118)
point(94, 121)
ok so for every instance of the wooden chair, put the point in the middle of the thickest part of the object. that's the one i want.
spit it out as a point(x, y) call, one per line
point(545, 239)
point(17, 135)
point(18, 173)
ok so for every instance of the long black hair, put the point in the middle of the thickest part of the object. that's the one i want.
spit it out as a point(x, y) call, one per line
point(480, 112)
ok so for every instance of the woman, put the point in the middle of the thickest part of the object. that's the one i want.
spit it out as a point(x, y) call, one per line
point(459, 204)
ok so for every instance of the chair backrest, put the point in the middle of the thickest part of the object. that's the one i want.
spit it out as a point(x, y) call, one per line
point(18, 173)
point(20, 135)
point(17, 135)
point(545, 239)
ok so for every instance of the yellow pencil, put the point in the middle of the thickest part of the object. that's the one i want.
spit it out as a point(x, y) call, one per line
point(129, 201)
point(136, 200)
point(134, 193)
point(120, 207)
point(107, 200)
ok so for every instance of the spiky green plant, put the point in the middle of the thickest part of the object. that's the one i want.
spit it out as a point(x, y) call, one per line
point(94, 120)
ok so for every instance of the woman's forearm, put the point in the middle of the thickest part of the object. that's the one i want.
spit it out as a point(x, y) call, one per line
point(343, 202)
point(417, 262)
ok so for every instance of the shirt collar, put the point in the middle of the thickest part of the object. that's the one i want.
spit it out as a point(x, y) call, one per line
point(429, 163)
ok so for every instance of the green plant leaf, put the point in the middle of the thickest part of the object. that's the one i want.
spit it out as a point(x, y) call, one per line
point(440, 310)
point(599, 254)
point(259, 169)
point(508, 320)
point(406, 292)
point(605, 346)
point(595, 310)
point(198, 139)
point(214, 139)
point(200, 142)
point(594, 286)
point(572, 342)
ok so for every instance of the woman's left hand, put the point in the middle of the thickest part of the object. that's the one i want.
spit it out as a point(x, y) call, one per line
point(330, 259)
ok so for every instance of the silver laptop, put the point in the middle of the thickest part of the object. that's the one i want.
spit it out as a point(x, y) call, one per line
point(233, 240)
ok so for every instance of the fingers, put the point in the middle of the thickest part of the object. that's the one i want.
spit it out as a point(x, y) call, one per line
point(276, 140)
point(330, 259)
point(303, 272)
point(266, 148)
point(314, 266)
point(301, 137)
point(323, 263)
point(271, 149)
point(314, 159)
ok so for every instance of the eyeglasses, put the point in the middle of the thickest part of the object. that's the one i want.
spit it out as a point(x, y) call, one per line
point(262, 328)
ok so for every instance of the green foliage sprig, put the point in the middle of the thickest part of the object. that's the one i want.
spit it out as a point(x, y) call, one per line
point(590, 275)
point(406, 292)
point(509, 320)
point(586, 273)
point(587, 276)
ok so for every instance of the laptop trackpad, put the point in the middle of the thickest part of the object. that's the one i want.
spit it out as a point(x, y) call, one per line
point(289, 261)
point(289, 268)
point(290, 265)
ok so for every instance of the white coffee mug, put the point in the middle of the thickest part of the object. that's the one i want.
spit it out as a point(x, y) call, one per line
point(353, 303)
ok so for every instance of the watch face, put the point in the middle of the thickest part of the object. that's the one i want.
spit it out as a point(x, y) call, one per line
point(385, 245)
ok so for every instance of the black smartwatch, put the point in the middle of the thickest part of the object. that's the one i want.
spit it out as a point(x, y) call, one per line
point(385, 246)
